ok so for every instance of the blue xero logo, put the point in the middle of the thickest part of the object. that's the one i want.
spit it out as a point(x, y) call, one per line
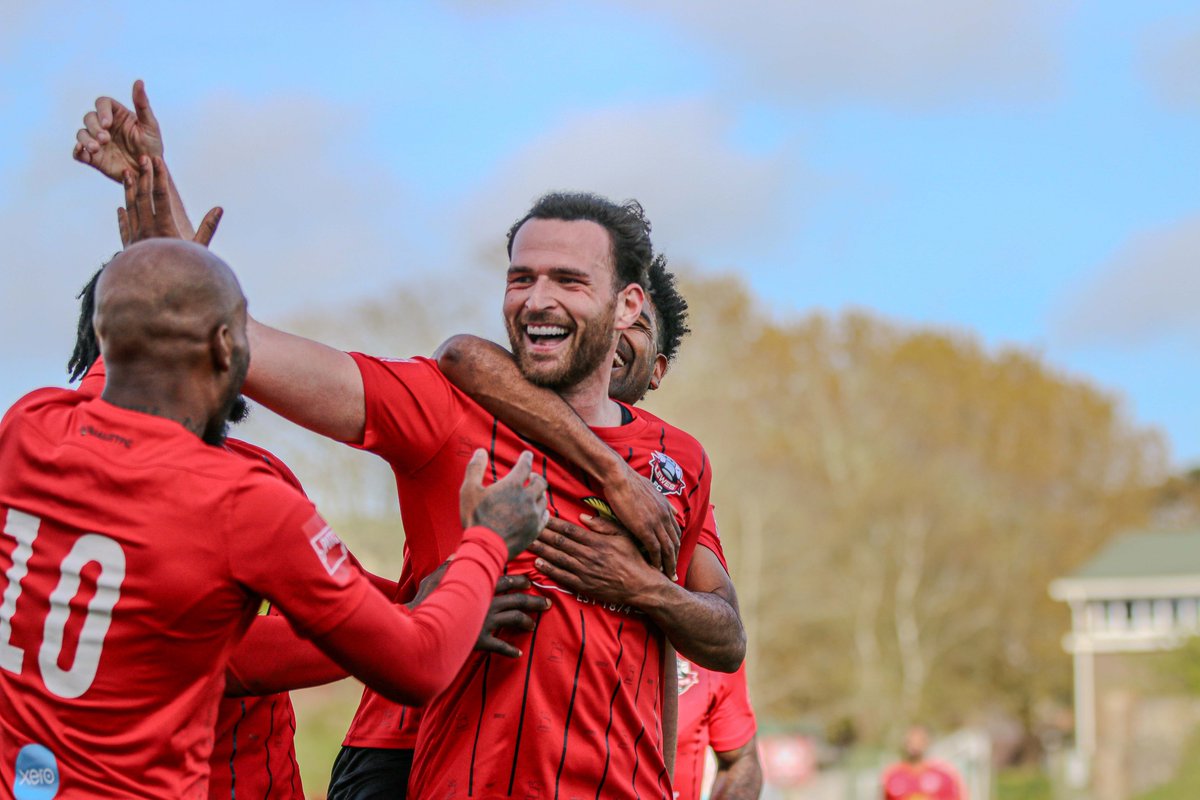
point(37, 774)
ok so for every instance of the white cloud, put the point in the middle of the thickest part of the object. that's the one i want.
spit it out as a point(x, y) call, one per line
point(892, 51)
point(709, 201)
point(1171, 57)
point(1146, 292)
point(306, 216)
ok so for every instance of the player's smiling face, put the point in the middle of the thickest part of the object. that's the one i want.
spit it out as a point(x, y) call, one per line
point(560, 303)
point(637, 366)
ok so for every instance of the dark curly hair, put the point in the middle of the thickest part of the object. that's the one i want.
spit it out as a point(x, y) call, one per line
point(87, 349)
point(626, 224)
point(669, 306)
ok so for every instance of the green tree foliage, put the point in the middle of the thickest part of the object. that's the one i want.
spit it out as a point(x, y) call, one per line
point(895, 501)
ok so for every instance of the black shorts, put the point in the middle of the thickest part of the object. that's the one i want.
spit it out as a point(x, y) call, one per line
point(370, 773)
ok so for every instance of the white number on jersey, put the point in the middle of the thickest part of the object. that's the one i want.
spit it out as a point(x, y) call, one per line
point(89, 548)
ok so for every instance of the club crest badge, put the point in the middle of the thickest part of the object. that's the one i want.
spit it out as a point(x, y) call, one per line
point(686, 675)
point(665, 474)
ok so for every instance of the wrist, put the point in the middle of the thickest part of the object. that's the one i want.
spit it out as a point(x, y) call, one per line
point(610, 469)
point(652, 593)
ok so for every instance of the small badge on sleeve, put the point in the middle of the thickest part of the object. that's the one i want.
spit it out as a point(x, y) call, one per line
point(326, 544)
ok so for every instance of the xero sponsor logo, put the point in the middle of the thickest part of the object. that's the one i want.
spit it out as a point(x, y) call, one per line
point(36, 774)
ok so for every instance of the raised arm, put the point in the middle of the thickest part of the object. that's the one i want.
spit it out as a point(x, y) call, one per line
point(315, 386)
point(487, 373)
point(113, 139)
point(411, 656)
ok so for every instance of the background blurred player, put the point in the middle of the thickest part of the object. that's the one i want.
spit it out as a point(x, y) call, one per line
point(915, 778)
point(134, 552)
point(714, 711)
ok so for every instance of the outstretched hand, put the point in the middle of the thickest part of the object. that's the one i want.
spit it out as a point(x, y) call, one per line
point(514, 506)
point(113, 138)
point(148, 212)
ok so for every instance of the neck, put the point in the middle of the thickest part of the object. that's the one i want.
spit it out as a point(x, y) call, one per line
point(589, 399)
point(160, 395)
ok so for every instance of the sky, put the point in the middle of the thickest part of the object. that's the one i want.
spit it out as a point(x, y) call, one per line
point(1027, 171)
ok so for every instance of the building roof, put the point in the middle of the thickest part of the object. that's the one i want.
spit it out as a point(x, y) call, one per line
point(1137, 564)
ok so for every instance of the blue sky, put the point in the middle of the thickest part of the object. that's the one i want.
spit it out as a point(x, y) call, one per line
point(1027, 171)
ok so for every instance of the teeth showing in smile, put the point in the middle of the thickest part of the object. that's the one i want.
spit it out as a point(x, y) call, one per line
point(545, 330)
point(618, 361)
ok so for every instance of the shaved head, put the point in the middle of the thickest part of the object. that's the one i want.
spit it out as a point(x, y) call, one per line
point(163, 298)
point(171, 321)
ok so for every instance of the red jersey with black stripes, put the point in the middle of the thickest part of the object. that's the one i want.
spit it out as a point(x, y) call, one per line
point(254, 752)
point(578, 715)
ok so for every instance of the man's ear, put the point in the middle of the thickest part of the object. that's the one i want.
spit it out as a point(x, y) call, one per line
point(220, 345)
point(629, 306)
point(659, 371)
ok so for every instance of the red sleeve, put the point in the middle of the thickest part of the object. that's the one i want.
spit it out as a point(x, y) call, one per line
point(272, 658)
point(283, 550)
point(421, 651)
point(731, 722)
point(272, 461)
point(411, 409)
point(698, 515)
point(280, 548)
point(710, 537)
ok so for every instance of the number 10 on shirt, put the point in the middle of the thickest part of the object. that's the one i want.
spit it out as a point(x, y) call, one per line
point(89, 548)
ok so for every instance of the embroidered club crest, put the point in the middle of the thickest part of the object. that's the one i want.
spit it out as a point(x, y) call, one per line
point(665, 474)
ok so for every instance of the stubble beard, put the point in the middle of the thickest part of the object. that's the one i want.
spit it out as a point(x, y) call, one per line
point(589, 350)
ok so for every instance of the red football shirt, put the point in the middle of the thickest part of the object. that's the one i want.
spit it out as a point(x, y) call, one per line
point(929, 780)
point(579, 713)
point(254, 752)
point(714, 710)
point(134, 556)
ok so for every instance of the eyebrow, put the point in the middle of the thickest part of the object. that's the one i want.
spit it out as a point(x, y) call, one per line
point(556, 272)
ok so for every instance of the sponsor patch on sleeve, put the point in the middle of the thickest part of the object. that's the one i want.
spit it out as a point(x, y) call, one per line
point(326, 544)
